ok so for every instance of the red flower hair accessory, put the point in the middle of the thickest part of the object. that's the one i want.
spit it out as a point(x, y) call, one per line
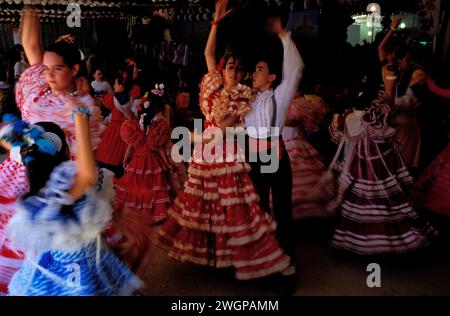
point(159, 89)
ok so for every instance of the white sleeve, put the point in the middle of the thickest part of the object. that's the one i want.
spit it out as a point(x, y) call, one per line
point(406, 101)
point(292, 71)
point(16, 69)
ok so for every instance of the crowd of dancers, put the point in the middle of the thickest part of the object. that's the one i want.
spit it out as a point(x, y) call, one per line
point(89, 176)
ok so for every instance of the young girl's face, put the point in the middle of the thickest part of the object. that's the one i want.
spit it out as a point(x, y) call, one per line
point(118, 87)
point(230, 73)
point(59, 76)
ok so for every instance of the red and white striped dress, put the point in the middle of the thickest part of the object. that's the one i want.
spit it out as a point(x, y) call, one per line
point(308, 195)
point(216, 219)
point(375, 211)
point(13, 185)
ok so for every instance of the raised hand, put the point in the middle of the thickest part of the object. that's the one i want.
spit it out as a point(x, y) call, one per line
point(221, 10)
point(69, 38)
point(395, 22)
point(30, 35)
point(275, 26)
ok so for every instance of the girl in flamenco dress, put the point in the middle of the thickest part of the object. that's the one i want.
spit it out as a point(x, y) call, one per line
point(49, 84)
point(142, 194)
point(216, 220)
point(41, 95)
point(309, 196)
point(59, 222)
point(111, 150)
point(376, 215)
point(13, 185)
point(46, 87)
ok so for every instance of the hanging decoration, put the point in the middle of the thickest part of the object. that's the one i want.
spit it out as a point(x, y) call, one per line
point(428, 12)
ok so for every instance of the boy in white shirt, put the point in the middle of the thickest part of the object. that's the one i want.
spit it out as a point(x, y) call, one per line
point(100, 85)
point(264, 125)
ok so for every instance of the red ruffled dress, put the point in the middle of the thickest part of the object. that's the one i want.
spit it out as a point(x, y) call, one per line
point(13, 185)
point(142, 194)
point(144, 186)
point(112, 148)
point(309, 194)
point(135, 92)
point(216, 220)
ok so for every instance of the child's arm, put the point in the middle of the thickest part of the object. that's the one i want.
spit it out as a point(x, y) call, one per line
point(210, 49)
point(30, 29)
point(389, 87)
point(127, 157)
point(387, 37)
point(86, 167)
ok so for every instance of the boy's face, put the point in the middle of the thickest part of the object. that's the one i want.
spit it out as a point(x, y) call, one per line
point(98, 75)
point(406, 62)
point(262, 79)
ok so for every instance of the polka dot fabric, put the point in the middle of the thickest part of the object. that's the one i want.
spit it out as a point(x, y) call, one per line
point(37, 105)
point(13, 184)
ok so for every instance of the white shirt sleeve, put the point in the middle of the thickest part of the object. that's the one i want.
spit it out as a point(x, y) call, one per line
point(16, 69)
point(406, 101)
point(292, 71)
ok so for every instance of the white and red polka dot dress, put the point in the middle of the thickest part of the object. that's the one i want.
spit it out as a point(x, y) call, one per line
point(13, 185)
point(38, 104)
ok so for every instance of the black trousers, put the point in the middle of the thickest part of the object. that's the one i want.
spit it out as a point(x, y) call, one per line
point(279, 184)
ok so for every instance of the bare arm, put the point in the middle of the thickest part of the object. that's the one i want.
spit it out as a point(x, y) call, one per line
point(29, 29)
point(389, 89)
point(435, 89)
point(387, 37)
point(210, 49)
point(127, 157)
point(86, 168)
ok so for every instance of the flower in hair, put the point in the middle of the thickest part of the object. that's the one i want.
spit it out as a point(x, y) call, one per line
point(159, 90)
point(221, 64)
point(25, 139)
